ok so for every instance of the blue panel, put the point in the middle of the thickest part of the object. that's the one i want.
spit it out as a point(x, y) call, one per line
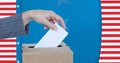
point(83, 20)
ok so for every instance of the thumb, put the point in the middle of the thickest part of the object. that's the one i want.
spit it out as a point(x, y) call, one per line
point(49, 24)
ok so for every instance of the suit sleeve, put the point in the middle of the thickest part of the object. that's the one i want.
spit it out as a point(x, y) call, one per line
point(12, 27)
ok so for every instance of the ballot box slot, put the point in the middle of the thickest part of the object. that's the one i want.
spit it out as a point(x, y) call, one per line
point(59, 46)
point(31, 46)
point(34, 46)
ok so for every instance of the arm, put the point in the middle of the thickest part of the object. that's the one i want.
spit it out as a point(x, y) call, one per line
point(18, 25)
point(12, 27)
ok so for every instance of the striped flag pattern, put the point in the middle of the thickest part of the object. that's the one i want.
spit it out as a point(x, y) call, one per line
point(8, 45)
point(110, 47)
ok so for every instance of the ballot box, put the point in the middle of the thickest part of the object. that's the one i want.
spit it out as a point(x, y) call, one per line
point(60, 54)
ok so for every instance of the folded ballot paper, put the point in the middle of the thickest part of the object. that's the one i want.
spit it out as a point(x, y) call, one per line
point(52, 38)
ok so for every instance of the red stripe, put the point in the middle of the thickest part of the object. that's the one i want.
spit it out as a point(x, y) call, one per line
point(110, 1)
point(110, 7)
point(110, 18)
point(7, 45)
point(4, 14)
point(110, 24)
point(7, 8)
point(110, 29)
point(109, 57)
point(7, 50)
point(7, 40)
point(7, 61)
point(7, 3)
point(110, 12)
point(111, 35)
point(109, 41)
point(10, 40)
point(8, 56)
point(110, 52)
point(110, 46)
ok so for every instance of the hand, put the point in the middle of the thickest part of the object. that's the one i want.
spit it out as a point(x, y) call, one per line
point(45, 17)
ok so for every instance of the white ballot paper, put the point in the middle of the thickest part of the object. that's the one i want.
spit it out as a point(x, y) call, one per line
point(52, 38)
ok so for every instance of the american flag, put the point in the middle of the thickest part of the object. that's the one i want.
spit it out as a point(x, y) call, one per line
point(8, 45)
point(110, 47)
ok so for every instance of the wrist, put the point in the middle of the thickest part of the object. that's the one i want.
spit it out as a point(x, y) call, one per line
point(26, 18)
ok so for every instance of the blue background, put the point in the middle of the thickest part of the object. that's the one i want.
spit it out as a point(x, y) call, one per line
point(83, 20)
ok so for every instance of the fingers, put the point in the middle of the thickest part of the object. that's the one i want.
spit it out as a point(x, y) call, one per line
point(48, 18)
point(63, 24)
point(58, 18)
point(45, 27)
point(48, 24)
point(51, 21)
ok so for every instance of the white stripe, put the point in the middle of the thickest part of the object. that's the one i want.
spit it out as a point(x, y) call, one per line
point(110, 38)
point(4, 16)
point(4, 53)
point(7, 6)
point(108, 60)
point(110, 16)
point(110, 27)
point(7, 59)
point(7, 43)
point(7, 11)
point(7, 48)
point(9, 38)
point(111, 32)
point(110, 55)
point(110, 49)
point(7, 0)
point(111, 21)
point(110, 44)
point(110, 4)
point(110, 10)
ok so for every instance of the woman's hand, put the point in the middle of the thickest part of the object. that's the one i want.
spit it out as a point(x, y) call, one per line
point(45, 17)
